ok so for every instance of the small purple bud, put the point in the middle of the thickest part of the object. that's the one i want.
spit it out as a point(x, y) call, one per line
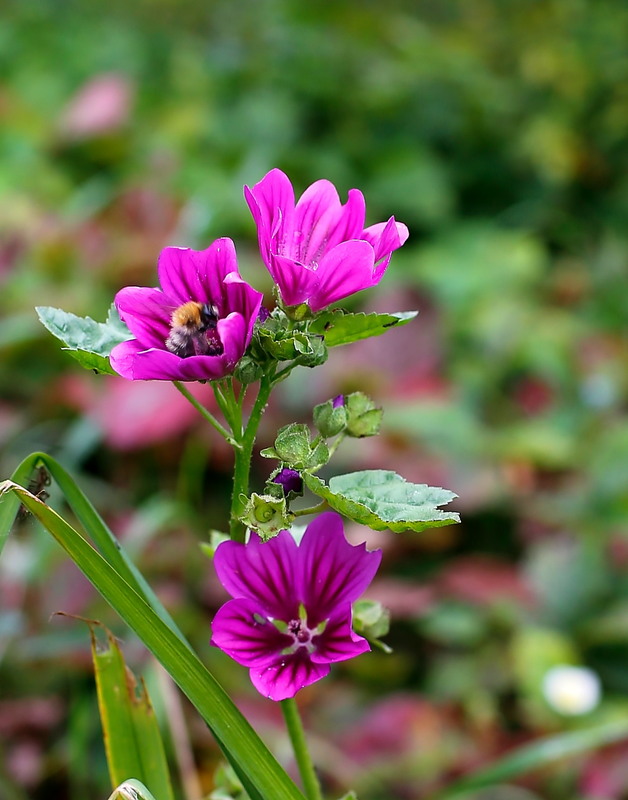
point(339, 400)
point(263, 315)
point(290, 479)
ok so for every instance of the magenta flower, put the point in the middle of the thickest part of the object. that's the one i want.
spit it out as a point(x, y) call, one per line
point(291, 616)
point(318, 251)
point(197, 326)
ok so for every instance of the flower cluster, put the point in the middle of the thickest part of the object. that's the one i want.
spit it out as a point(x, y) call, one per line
point(291, 613)
point(198, 325)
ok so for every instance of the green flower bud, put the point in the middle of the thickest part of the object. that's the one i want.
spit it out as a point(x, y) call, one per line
point(248, 370)
point(364, 418)
point(329, 420)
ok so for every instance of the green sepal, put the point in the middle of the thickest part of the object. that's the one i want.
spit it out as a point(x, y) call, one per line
point(282, 340)
point(293, 447)
point(384, 500)
point(267, 515)
point(364, 418)
point(372, 620)
point(329, 421)
point(339, 327)
point(248, 369)
point(89, 342)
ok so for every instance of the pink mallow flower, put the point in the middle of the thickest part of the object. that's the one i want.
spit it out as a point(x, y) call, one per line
point(291, 616)
point(318, 251)
point(197, 326)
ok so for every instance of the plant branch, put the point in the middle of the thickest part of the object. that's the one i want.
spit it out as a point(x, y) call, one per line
point(207, 415)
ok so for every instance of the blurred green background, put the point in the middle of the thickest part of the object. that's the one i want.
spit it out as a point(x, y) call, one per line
point(497, 131)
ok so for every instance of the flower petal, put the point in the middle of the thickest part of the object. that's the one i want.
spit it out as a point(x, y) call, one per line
point(317, 210)
point(136, 363)
point(385, 237)
point(271, 201)
point(197, 275)
point(332, 572)
point(351, 222)
point(234, 335)
point(204, 368)
point(147, 313)
point(338, 642)
point(242, 630)
point(345, 269)
point(214, 266)
point(287, 675)
point(240, 296)
point(295, 281)
point(178, 271)
point(261, 571)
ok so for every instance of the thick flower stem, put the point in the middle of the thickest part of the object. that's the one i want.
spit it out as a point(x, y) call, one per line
point(297, 737)
point(207, 414)
point(243, 457)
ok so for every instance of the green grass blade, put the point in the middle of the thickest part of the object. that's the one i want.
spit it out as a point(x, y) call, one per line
point(263, 777)
point(131, 790)
point(537, 755)
point(130, 730)
point(92, 522)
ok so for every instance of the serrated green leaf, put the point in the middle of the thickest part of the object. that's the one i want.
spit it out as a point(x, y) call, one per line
point(384, 500)
point(88, 341)
point(339, 327)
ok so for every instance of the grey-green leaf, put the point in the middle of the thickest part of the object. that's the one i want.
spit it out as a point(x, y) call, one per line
point(339, 327)
point(88, 341)
point(384, 500)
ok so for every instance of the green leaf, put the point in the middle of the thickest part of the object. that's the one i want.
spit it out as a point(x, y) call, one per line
point(131, 790)
point(384, 500)
point(130, 731)
point(537, 755)
point(89, 342)
point(338, 327)
point(256, 767)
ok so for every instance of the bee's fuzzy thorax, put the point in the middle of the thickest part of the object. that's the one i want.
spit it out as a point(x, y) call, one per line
point(189, 314)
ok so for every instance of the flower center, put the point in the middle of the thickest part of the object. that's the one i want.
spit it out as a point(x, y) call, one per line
point(299, 631)
point(194, 331)
point(302, 634)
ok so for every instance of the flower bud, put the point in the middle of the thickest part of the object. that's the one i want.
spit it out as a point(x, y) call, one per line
point(330, 419)
point(290, 480)
point(364, 418)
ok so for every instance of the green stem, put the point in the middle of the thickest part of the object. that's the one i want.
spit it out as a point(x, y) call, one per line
point(207, 415)
point(302, 512)
point(243, 457)
point(334, 446)
point(297, 737)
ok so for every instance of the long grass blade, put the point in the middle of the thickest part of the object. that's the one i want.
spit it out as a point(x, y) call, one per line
point(130, 730)
point(263, 777)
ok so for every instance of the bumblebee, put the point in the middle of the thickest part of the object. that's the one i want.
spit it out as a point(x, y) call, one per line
point(193, 331)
